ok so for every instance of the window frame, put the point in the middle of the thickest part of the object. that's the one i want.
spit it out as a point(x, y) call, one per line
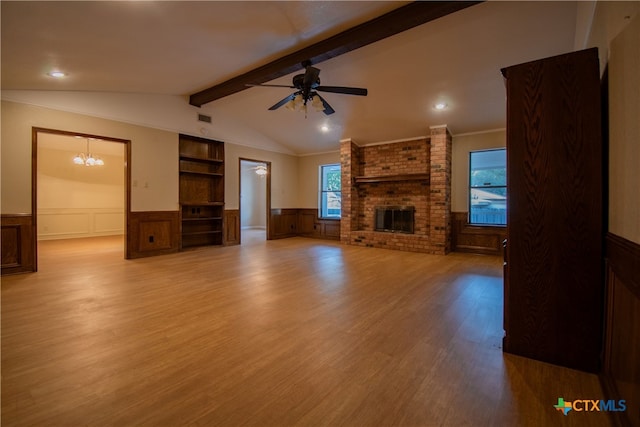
point(321, 192)
point(470, 187)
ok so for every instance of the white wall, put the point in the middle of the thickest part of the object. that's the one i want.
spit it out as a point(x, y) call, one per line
point(154, 169)
point(624, 133)
point(284, 175)
point(155, 111)
point(79, 201)
point(615, 31)
point(253, 205)
point(462, 145)
point(308, 177)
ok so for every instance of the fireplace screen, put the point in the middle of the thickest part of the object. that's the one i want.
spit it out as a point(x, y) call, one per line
point(395, 219)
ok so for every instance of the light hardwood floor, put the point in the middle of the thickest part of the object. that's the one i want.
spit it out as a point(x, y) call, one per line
point(276, 333)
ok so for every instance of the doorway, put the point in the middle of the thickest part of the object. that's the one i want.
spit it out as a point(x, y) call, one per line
point(255, 200)
point(80, 188)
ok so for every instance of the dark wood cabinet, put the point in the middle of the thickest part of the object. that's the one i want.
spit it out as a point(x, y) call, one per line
point(554, 286)
point(201, 191)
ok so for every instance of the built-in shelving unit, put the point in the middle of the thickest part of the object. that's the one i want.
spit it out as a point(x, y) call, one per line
point(392, 178)
point(201, 191)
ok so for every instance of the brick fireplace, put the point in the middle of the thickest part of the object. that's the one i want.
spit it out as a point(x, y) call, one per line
point(414, 174)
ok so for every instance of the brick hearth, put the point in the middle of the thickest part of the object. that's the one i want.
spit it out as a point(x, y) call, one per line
point(408, 173)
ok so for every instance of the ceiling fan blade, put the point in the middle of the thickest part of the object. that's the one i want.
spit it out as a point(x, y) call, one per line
point(343, 90)
point(311, 76)
point(284, 101)
point(289, 86)
point(327, 108)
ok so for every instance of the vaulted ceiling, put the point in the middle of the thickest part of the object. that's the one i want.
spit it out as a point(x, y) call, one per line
point(140, 61)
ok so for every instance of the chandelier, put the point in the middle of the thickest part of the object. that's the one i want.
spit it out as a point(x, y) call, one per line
point(86, 158)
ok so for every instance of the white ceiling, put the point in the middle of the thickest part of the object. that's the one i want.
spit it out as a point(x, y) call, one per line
point(173, 49)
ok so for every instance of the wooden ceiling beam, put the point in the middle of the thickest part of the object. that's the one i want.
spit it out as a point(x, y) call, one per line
point(389, 24)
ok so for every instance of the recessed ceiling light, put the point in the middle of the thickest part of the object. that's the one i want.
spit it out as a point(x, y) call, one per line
point(57, 74)
point(440, 106)
point(324, 128)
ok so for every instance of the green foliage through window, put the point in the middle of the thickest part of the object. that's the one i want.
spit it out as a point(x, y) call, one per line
point(330, 204)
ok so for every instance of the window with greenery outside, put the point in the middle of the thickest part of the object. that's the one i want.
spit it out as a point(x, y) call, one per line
point(330, 191)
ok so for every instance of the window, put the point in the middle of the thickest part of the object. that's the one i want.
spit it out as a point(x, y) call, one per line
point(330, 191)
point(488, 187)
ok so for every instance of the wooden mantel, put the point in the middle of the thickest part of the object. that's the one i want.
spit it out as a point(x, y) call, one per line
point(392, 178)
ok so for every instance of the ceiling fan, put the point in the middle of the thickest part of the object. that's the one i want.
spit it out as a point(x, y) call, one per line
point(308, 85)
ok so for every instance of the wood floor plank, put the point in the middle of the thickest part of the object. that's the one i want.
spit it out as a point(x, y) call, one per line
point(291, 332)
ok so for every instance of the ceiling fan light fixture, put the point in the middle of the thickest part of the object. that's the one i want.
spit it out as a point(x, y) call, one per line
point(291, 105)
point(317, 104)
point(308, 84)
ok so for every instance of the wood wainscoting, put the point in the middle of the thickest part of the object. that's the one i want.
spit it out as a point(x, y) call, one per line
point(621, 364)
point(153, 233)
point(283, 223)
point(231, 224)
point(309, 225)
point(18, 244)
point(476, 239)
point(302, 222)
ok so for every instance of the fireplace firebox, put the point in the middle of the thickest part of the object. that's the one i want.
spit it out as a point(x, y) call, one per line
point(395, 219)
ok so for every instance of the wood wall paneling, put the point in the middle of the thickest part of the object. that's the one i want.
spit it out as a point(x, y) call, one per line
point(623, 257)
point(476, 239)
point(310, 225)
point(283, 223)
point(18, 244)
point(307, 223)
point(621, 367)
point(153, 233)
point(231, 227)
point(11, 256)
point(302, 222)
point(331, 229)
